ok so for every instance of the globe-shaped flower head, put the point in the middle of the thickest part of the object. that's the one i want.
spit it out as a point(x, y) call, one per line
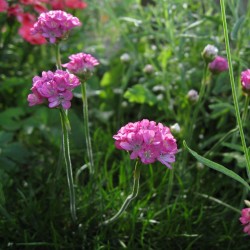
point(245, 219)
point(54, 88)
point(55, 25)
point(81, 64)
point(245, 81)
point(218, 65)
point(147, 141)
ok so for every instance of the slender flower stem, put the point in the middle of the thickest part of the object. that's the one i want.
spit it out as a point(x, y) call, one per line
point(66, 151)
point(200, 100)
point(130, 197)
point(234, 93)
point(58, 57)
point(244, 115)
point(197, 108)
point(86, 127)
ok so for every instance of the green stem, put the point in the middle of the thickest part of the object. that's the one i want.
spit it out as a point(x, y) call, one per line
point(58, 57)
point(129, 198)
point(222, 139)
point(197, 108)
point(234, 93)
point(244, 115)
point(66, 152)
point(86, 127)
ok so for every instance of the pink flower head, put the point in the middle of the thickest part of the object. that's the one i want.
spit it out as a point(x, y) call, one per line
point(3, 6)
point(148, 141)
point(55, 88)
point(245, 80)
point(54, 25)
point(245, 219)
point(81, 64)
point(218, 65)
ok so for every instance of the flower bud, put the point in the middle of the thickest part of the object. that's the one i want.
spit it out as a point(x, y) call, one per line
point(148, 69)
point(218, 65)
point(125, 58)
point(247, 203)
point(200, 166)
point(245, 81)
point(209, 53)
point(193, 95)
point(175, 129)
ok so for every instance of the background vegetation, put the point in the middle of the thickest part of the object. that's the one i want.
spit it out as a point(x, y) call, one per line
point(189, 207)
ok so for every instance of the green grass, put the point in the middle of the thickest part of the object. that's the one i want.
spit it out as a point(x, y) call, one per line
point(188, 207)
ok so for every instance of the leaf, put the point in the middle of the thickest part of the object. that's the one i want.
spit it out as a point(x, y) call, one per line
point(10, 118)
point(136, 22)
point(112, 77)
point(217, 167)
point(5, 137)
point(140, 94)
point(237, 27)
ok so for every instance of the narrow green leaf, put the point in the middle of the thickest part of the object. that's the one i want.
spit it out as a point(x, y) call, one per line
point(237, 27)
point(217, 167)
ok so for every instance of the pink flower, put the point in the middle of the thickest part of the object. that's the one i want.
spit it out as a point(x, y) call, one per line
point(148, 141)
point(218, 65)
point(245, 79)
point(55, 25)
point(55, 88)
point(71, 4)
point(35, 99)
point(27, 20)
point(245, 219)
point(81, 64)
point(62, 98)
point(15, 10)
point(3, 6)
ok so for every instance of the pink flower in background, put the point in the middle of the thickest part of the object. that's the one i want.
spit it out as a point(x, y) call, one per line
point(245, 219)
point(27, 21)
point(15, 10)
point(71, 4)
point(54, 25)
point(148, 141)
point(245, 79)
point(81, 64)
point(3, 6)
point(55, 88)
point(218, 65)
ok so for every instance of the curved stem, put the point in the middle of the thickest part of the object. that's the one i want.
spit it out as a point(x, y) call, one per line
point(86, 127)
point(129, 198)
point(234, 93)
point(66, 152)
point(244, 115)
point(58, 57)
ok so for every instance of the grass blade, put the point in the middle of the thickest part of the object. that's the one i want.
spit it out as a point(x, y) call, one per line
point(217, 167)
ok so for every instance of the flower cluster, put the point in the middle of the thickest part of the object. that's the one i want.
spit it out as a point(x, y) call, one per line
point(218, 65)
point(148, 141)
point(245, 80)
point(53, 87)
point(245, 219)
point(55, 25)
point(81, 64)
point(25, 12)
